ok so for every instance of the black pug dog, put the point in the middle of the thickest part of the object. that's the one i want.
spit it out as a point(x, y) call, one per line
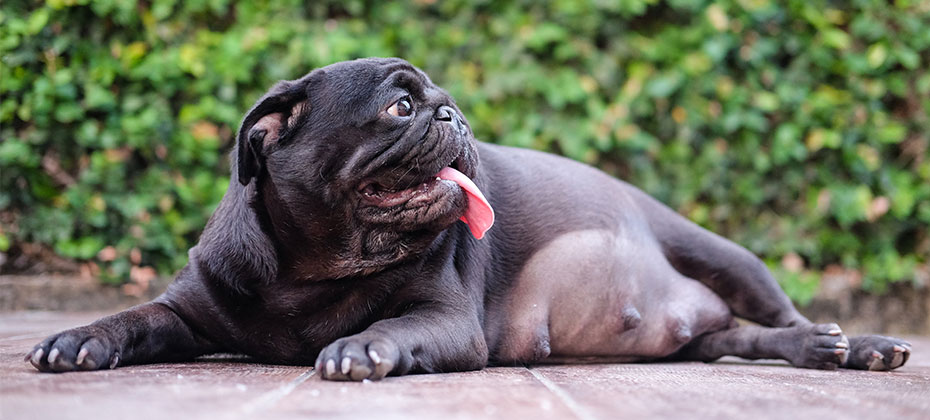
point(341, 243)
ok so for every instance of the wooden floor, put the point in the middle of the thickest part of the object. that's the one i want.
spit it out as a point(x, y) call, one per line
point(218, 388)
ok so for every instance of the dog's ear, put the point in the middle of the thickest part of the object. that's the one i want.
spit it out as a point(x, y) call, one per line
point(234, 250)
point(265, 122)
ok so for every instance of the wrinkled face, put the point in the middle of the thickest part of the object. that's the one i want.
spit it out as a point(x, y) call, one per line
point(368, 153)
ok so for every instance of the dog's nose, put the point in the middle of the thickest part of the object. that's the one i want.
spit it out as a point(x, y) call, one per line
point(445, 113)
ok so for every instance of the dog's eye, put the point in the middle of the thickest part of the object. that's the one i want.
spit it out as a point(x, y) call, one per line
point(401, 108)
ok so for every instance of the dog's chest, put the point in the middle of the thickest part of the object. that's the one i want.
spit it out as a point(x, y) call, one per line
point(291, 324)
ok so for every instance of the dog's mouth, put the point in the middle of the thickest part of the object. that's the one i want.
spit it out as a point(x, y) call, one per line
point(478, 214)
point(390, 196)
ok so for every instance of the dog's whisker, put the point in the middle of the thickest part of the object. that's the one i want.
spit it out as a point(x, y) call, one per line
point(402, 177)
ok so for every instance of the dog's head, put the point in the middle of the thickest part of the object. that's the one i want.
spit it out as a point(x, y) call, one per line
point(367, 158)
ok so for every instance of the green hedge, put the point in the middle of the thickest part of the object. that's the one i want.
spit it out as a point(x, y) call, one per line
point(798, 128)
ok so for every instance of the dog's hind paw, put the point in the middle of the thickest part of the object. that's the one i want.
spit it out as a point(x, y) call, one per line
point(876, 352)
point(823, 346)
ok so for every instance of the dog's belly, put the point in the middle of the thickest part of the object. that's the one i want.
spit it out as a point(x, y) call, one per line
point(600, 293)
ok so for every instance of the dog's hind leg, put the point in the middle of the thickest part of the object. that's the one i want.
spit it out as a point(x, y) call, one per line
point(750, 291)
point(814, 346)
point(731, 271)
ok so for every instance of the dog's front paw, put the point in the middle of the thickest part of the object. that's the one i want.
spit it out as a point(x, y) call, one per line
point(84, 348)
point(823, 346)
point(876, 352)
point(357, 358)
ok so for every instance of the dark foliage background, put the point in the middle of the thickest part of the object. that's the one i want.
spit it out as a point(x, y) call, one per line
point(797, 128)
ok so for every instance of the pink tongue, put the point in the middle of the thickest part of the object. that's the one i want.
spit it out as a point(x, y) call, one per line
point(479, 216)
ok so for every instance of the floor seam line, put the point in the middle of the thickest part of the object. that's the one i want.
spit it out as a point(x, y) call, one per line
point(563, 396)
point(269, 398)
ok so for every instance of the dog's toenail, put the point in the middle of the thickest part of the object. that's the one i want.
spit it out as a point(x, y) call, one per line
point(330, 367)
point(835, 332)
point(37, 356)
point(842, 345)
point(374, 357)
point(346, 365)
point(81, 355)
point(898, 349)
point(53, 355)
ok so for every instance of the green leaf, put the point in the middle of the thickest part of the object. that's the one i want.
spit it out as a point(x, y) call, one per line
point(836, 38)
point(82, 248)
point(37, 21)
point(787, 144)
point(17, 152)
point(877, 55)
point(663, 85)
point(766, 101)
point(4, 242)
point(892, 133)
point(850, 204)
point(907, 57)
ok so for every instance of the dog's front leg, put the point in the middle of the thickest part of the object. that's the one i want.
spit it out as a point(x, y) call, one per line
point(429, 338)
point(147, 333)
